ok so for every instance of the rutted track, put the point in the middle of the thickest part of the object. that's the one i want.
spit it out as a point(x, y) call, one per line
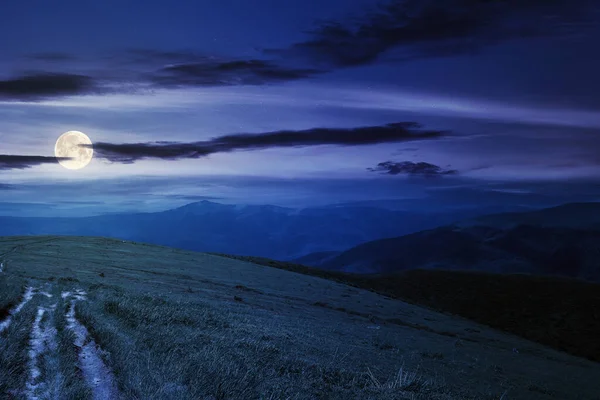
point(28, 295)
point(96, 374)
point(42, 343)
point(43, 374)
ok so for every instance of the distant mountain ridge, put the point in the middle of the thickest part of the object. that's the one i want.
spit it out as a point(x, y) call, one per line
point(545, 242)
point(571, 215)
point(258, 230)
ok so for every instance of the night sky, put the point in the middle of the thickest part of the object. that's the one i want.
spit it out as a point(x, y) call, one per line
point(298, 102)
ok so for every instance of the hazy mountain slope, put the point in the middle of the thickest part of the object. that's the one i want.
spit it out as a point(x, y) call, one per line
point(572, 215)
point(441, 247)
point(316, 258)
point(522, 249)
point(171, 324)
point(557, 241)
point(269, 231)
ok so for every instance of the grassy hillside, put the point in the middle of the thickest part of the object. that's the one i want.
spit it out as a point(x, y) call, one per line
point(123, 320)
point(558, 312)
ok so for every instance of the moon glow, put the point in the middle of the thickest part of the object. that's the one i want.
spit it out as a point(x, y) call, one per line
point(67, 145)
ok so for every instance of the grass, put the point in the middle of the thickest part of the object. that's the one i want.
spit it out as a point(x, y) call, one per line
point(72, 385)
point(403, 380)
point(10, 294)
point(13, 352)
point(558, 312)
point(228, 352)
point(58, 369)
point(168, 325)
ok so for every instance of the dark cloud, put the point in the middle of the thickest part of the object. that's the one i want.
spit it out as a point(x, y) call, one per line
point(8, 162)
point(192, 68)
point(46, 85)
point(6, 186)
point(191, 197)
point(399, 29)
point(135, 69)
point(53, 56)
point(216, 72)
point(396, 132)
point(423, 28)
point(411, 168)
point(159, 57)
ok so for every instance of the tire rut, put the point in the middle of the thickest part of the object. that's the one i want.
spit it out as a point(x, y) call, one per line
point(97, 375)
point(42, 356)
point(27, 296)
point(44, 379)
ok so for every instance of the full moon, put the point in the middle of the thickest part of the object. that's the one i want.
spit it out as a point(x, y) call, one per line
point(67, 145)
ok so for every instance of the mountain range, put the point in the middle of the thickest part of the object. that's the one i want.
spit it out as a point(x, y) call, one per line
point(257, 230)
point(563, 240)
point(361, 238)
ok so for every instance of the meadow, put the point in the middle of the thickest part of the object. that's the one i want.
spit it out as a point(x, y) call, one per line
point(104, 318)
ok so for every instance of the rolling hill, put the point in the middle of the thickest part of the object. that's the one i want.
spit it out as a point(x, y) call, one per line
point(558, 312)
point(112, 319)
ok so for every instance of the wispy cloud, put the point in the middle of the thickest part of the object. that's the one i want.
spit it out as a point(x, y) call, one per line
point(8, 162)
point(401, 29)
point(472, 108)
point(215, 72)
point(396, 132)
point(433, 28)
point(411, 168)
point(342, 97)
point(53, 56)
point(142, 73)
point(43, 85)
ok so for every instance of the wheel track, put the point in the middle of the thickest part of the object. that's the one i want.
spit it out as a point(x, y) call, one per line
point(27, 296)
point(97, 375)
point(44, 379)
point(42, 352)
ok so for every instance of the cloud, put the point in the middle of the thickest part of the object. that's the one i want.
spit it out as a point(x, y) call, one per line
point(192, 197)
point(411, 168)
point(217, 72)
point(6, 186)
point(399, 29)
point(143, 70)
point(396, 132)
point(425, 28)
point(192, 68)
point(146, 56)
point(8, 162)
point(53, 56)
point(43, 85)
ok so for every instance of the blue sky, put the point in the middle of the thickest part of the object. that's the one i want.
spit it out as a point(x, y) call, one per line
point(511, 94)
